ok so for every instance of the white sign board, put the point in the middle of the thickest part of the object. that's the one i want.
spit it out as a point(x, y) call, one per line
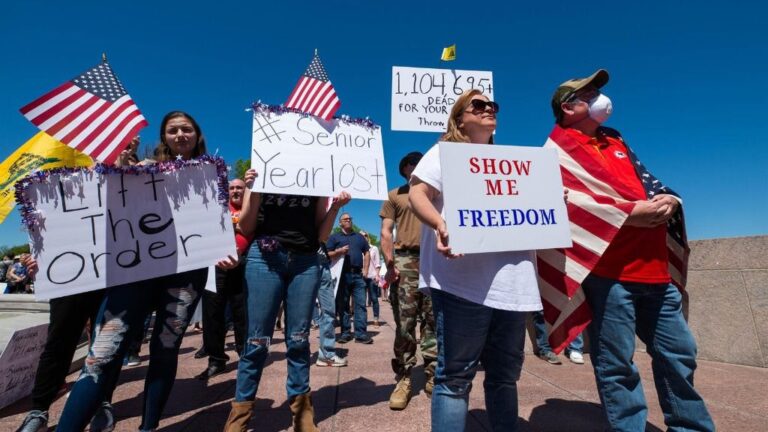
point(336, 266)
point(422, 98)
point(18, 363)
point(100, 230)
point(298, 154)
point(502, 198)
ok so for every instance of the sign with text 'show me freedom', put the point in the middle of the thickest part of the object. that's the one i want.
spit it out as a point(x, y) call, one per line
point(92, 230)
point(422, 98)
point(298, 154)
point(502, 198)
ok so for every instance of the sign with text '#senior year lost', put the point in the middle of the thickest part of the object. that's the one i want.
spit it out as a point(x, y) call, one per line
point(298, 154)
point(503, 198)
point(422, 98)
point(92, 229)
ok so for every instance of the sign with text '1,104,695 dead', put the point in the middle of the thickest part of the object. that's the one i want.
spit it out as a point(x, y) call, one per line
point(422, 98)
point(298, 154)
point(502, 198)
point(94, 229)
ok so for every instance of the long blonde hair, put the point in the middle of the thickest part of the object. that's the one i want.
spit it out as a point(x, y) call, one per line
point(454, 133)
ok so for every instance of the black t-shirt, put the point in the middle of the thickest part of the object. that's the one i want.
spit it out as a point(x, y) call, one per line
point(291, 220)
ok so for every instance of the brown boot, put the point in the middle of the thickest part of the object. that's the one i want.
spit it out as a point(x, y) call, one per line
point(303, 414)
point(239, 416)
point(401, 395)
point(429, 386)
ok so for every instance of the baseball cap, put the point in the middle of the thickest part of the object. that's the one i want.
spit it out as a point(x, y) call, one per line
point(564, 90)
point(411, 158)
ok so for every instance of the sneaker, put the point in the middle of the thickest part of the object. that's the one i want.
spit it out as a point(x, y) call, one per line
point(550, 357)
point(576, 357)
point(344, 338)
point(104, 419)
point(133, 360)
point(367, 340)
point(376, 323)
point(400, 397)
point(35, 421)
point(334, 361)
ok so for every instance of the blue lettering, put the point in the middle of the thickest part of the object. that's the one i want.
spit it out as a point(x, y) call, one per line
point(532, 220)
point(548, 217)
point(462, 217)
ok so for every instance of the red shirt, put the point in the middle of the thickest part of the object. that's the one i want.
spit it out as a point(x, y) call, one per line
point(635, 254)
point(241, 242)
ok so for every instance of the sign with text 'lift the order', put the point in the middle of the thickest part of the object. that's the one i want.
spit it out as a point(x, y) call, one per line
point(298, 154)
point(93, 231)
point(422, 98)
point(502, 198)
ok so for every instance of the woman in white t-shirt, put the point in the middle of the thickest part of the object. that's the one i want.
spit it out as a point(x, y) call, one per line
point(480, 301)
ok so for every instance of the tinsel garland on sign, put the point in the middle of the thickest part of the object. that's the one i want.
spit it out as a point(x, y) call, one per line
point(281, 109)
point(29, 220)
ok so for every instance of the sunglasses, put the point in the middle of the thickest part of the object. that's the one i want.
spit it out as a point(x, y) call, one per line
point(583, 95)
point(481, 105)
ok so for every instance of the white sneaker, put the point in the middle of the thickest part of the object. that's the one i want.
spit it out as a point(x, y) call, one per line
point(576, 357)
point(334, 361)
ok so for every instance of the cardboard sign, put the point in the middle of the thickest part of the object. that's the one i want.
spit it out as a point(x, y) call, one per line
point(502, 198)
point(297, 154)
point(100, 230)
point(336, 266)
point(18, 363)
point(422, 98)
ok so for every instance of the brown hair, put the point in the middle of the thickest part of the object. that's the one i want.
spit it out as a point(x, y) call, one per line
point(454, 133)
point(163, 151)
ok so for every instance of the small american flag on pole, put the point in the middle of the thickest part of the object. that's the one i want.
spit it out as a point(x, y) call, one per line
point(314, 93)
point(597, 210)
point(91, 113)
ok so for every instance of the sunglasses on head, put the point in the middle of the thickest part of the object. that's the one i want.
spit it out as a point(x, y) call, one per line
point(481, 105)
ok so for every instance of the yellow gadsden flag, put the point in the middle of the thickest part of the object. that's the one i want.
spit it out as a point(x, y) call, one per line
point(41, 152)
point(449, 53)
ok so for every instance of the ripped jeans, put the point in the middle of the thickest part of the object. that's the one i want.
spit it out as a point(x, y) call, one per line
point(272, 277)
point(121, 316)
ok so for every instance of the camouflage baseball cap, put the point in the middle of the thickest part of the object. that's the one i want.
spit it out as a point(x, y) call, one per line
point(566, 89)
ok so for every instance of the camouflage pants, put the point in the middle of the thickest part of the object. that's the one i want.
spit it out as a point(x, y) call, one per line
point(408, 306)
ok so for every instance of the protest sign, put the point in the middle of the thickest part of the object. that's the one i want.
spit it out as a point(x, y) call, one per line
point(422, 98)
point(502, 198)
point(298, 154)
point(336, 266)
point(95, 229)
point(18, 363)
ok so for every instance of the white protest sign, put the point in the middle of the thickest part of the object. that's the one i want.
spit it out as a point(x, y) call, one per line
point(18, 363)
point(100, 230)
point(336, 266)
point(297, 154)
point(422, 98)
point(502, 198)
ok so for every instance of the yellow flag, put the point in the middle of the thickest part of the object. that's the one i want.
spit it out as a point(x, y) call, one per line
point(41, 152)
point(449, 53)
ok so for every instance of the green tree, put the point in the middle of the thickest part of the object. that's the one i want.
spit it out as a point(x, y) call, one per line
point(240, 167)
point(14, 250)
point(373, 237)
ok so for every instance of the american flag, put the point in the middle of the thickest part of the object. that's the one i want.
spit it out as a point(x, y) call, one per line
point(314, 93)
point(91, 113)
point(597, 210)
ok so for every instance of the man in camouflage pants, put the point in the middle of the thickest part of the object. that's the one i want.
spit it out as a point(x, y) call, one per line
point(408, 303)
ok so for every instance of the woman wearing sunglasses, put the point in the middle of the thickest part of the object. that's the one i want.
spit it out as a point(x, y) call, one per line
point(480, 301)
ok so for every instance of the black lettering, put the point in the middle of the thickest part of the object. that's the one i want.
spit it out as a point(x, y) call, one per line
point(361, 176)
point(95, 258)
point(93, 225)
point(122, 190)
point(152, 182)
point(79, 271)
point(64, 201)
point(151, 218)
point(136, 257)
point(114, 226)
point(265, 162)
point(162, 244)
point(184, 241)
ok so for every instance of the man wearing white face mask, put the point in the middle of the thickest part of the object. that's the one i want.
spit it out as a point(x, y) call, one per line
point(624, 274)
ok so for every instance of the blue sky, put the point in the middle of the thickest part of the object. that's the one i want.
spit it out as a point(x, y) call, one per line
point(687, 78)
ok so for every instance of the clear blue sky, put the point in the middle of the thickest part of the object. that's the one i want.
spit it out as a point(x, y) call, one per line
point(687, 78)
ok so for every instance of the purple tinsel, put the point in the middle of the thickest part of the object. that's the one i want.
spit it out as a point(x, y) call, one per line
point(282, 109)
point(28, 211)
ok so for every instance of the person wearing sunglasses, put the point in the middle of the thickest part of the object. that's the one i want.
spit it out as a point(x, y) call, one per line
point(627, 278)
point(480, 301)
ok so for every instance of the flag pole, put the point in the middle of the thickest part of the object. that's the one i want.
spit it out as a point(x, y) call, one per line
point(104, 57)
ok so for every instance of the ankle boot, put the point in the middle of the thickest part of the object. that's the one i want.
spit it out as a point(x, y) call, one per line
point(239, 416)
point(303, 414)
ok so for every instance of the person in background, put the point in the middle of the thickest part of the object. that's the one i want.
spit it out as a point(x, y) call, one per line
point(327, 355)
point(372, 278)
point(16, 276)
point(573, 352)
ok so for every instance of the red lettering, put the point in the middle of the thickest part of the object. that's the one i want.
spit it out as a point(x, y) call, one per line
point(475, 167)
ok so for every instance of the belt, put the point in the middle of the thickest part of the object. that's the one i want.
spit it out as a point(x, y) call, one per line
point(357, 270)
point(407, 251)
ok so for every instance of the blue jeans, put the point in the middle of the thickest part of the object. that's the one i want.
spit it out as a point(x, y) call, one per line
point(120, 318)
point(373, 296)
point(272, 277)
point(352, 285)
point(653, 312)
point(327, 312)
point(542, 341)
point(469, 334)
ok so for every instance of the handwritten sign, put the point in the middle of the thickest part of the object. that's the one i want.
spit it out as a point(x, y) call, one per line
point(100, 230)
point(422, 98)
point(18, 363)
point(503, 198)
point(297, 154)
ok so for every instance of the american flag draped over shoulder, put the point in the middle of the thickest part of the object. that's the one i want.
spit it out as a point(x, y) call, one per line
point(91, 113)
point(314, 93)
point(597, 209)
